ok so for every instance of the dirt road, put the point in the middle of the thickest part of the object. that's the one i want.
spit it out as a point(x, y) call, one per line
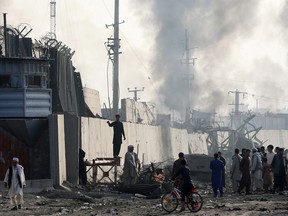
point(59, 202)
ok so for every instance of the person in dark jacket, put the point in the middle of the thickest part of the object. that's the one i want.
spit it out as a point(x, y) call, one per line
point(221, 158)
point(184, 171)
point(117, 137)
point(176, 166)
point(246, 173)
point(217, 168)
point(82, 168)
point(278, 167)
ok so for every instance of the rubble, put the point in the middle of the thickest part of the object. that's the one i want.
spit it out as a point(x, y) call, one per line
point(79, 202)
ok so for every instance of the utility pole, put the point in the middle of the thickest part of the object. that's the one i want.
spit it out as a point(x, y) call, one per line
point(135, 91)
point(112, 47)
point(53, 17)
point(116, 60)
point(237, 100)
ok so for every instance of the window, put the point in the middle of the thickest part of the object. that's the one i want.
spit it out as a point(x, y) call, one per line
point(34, 81)
point(5, 81)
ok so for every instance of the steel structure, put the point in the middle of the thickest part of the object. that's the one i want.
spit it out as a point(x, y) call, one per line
point(226, 140)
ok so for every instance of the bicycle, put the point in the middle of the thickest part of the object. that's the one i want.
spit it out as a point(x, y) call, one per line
point(170, 200)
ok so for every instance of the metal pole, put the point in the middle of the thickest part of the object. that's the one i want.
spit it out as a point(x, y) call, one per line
point(5, 35)
point(187, 52)
point(237, 102)
point(116, 60)
point(53, 17)
point(188, 100)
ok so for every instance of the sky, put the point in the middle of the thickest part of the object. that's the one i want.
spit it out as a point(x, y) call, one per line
point(238, 45)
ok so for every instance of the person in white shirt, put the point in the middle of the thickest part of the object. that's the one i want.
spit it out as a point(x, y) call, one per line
point(270, 154)
point(15, 181)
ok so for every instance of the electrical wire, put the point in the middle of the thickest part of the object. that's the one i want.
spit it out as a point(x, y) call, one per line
point(140, 61)
point(108, 87)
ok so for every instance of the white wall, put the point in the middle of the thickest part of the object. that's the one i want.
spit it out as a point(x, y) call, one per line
point(92, 99)
point(131, 111)
point(198, 144)
point(97, 141)
point(275, 137)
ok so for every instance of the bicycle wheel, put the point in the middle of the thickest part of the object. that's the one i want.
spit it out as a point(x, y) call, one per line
point(195, 202)
point(169, 202)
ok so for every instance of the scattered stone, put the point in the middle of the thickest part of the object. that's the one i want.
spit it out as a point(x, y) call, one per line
point(113, 211)
point(235, 209)
point(41, 203)
point(63, 210)
point(263, 199)
point(220, 206)
point(85, 208)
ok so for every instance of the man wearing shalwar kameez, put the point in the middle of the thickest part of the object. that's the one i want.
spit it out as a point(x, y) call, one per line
point(235, 170)
point(15, 180)
point(256, 170)
point(130, 167)
point(217, 168)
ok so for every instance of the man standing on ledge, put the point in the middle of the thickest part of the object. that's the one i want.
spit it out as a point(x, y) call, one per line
point(118, 132)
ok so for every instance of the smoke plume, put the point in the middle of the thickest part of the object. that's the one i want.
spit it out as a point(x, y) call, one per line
point(224, 32)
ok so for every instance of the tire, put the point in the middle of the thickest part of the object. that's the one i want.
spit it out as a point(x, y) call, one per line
point(195, 202)
point(169, 202)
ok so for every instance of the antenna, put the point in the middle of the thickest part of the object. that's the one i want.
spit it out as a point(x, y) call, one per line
point(53, 17)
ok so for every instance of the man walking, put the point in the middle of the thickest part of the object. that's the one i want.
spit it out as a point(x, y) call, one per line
point(117, 137)
point(217, 168)
point(130, 166)
point(15, 181)
point(235, 170)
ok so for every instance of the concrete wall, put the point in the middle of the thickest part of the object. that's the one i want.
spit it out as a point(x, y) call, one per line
point(92, 99)
point(154, 143)
point(197, 143)
point(96, 138)
point(137, 112)
point(275, 137)
point(57, 149)
point(72, 144)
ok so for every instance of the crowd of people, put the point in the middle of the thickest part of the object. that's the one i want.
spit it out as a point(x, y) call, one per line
point(256, 170)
